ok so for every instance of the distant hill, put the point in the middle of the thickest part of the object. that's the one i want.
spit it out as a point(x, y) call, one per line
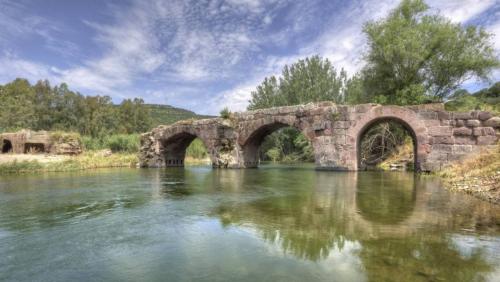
point(165, 114)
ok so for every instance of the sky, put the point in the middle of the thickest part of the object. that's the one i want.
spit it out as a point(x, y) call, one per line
point(199, 55)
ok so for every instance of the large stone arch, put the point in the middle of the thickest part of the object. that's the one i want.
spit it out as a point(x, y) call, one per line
point(253, 133)
point(174, 141)
point(404, 116)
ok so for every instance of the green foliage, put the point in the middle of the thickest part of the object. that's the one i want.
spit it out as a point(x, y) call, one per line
point(127, 143)
point(165, 114)
point(196, 150)
point(286, 145)
point(487, 99)
point(310, 80)
point(415, 57)
point(17, 105)
point(123, 143)
point(225, 113)
point(42, 107)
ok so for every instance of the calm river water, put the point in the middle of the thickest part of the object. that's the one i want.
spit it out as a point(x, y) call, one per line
point(275, 223)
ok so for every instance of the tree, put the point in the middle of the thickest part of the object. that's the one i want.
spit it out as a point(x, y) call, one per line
point(414, 56)
point(310, 80)
point(16, 105)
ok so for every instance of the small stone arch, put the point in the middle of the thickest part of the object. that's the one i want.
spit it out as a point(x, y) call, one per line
point(173, 146)
point(6, 146)
point(253, 136)
point(406, 117)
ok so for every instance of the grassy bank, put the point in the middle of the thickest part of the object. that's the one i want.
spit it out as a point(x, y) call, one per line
point(479, 176)
point(87, 160)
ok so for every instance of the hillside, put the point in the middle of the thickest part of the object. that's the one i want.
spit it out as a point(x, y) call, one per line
point(165, 114)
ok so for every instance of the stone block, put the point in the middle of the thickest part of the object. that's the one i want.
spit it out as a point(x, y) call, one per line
point(432, 122)
point(486, 140)
point(474, 114)
point(484, 115)
point(339, 139)
point(473, 123)
point(482, 131)
point(441, 148)
point(341, 124)
point(462, 116)
point(428, 115)
point(493, 122)
point(464, 140)
point(461, 149)
point(459, 122)
point(448, 122)
point(442, 140)
point(444, 115)
point(462, 131)
point(440, 130)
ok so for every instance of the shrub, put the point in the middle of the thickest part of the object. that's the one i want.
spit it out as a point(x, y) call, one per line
point(93, 144)
point(225, 113)
point(196, 150)
point(123, 143)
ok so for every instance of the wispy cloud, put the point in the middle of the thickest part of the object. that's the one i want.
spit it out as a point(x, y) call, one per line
point(202, 55)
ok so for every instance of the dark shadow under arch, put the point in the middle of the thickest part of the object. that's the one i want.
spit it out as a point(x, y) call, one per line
point(376, 121)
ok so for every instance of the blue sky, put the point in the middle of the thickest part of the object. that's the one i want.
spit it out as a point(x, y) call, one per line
point(200, 55)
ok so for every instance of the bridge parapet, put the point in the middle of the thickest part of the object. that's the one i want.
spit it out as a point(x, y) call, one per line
point(335, 131)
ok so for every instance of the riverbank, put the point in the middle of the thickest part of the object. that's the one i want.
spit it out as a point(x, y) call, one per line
point(10, 164)
point(33, 163)
point(478, 176)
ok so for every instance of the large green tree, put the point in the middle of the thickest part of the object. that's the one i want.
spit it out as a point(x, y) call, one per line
point(414, 56)
point(308, 80)
point(16, 105)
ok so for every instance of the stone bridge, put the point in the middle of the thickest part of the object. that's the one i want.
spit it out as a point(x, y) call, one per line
point(335, 131)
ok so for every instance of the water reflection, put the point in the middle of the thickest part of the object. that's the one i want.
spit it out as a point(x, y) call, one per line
point(275, 222)
point(388, 199)
point(395, 218)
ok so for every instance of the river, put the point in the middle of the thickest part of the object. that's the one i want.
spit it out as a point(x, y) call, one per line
point(275, 223)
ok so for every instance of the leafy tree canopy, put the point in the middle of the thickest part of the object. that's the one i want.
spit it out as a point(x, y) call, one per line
point(414, 56)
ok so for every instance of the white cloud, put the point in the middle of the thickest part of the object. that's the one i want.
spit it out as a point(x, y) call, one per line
point(461, 10)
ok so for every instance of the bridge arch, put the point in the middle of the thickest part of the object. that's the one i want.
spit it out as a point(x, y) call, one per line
point(251, 140)
point(174, 144)
point(402, 116)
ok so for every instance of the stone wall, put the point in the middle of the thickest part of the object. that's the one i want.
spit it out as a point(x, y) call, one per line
point(28, 141)
point(334, 131)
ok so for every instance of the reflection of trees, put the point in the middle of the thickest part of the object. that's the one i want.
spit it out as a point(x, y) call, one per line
point(391, 216)
point(304, 223)
point(386, 198)
point(299, 224)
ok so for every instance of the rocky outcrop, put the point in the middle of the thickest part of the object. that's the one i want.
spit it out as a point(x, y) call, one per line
point(334, 131)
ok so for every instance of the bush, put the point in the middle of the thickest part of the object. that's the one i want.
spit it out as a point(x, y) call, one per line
point(93, 144)
point(123, 143)
point(225, 113)
point(196, 150)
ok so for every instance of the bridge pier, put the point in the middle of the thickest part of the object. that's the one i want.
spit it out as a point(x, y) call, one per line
point(335, 132)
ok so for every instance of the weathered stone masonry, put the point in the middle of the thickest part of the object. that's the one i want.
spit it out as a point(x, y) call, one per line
point(440, 137)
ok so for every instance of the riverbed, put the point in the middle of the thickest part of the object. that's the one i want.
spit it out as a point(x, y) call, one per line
point(274, 223)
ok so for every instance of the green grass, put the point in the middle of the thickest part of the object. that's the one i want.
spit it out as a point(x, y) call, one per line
point(88, 160)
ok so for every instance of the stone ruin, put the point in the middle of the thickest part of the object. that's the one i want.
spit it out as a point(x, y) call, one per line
point(38, 142)
point(335, 131)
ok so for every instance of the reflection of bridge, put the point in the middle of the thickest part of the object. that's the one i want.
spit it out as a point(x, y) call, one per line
point(334, 131)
